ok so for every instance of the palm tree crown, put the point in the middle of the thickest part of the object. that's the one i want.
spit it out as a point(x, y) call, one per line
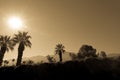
point(23, 39)
point(6, 42)
point(59, 47)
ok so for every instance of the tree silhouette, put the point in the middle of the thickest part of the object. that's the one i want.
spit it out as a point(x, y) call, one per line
point(102, 54)
point(87, 51)
point(50, 59)
point(23, 39)
point(6, 44)
point(73, 56)
point(59, 49)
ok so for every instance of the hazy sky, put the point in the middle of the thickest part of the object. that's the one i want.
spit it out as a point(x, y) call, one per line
point(71, 22)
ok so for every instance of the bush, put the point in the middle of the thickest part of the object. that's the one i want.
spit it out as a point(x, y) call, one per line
point(90, 68)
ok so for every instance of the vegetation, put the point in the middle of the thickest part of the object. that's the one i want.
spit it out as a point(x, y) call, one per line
point(87, 51)
point(102, 54)
point(59, 49)
point(6, 62)
point(22, 38)
point(6, 44)
point(50, 59)
point(91, 68)
point(13, 62)
point(86, 64)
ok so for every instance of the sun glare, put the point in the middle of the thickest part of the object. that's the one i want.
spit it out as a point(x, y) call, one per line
point(15, 22)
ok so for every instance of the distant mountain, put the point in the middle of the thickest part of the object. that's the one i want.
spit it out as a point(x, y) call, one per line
point(39, 59)
point(36, 59)
point(66, 57)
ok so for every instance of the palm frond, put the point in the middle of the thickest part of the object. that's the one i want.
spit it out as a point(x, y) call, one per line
point(27, 37)
point(23, 37)
point(7, 49)
point(11, 48)
point(59, 47)
point(6, 41)
point(25, 33)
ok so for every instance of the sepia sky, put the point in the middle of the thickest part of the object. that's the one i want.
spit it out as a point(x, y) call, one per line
point(70, 22)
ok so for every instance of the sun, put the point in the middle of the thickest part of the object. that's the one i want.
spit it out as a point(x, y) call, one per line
point(15, 22)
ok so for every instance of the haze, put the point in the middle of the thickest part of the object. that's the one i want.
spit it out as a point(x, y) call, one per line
point(70, 22)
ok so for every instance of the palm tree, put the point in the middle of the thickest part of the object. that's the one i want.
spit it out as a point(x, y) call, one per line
point(22, 38)
point(59, 49)
point(6, 43)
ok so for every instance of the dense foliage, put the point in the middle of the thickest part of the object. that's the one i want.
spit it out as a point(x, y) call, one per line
point(91, 68)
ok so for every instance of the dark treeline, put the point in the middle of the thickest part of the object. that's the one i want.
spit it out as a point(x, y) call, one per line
point(91, 68)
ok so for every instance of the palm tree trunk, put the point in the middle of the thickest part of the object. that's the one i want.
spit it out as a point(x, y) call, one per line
point(20, 53)
point(1, 57)
point(2, 52)
point(60, 57)
point(19, 58)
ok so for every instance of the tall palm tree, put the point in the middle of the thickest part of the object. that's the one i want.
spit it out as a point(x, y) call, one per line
point(22, 38)
point(59, 49)
point(6, 43)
